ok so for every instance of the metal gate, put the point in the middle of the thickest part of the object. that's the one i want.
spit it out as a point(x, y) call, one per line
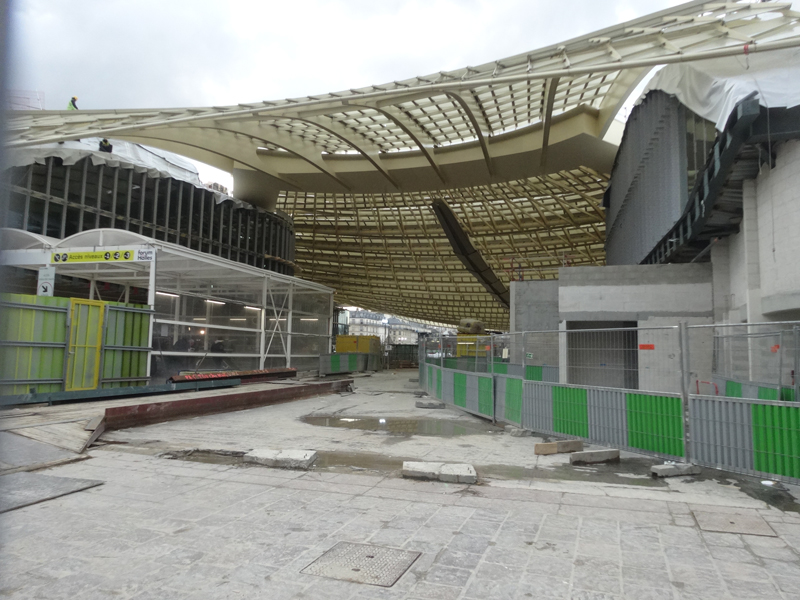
point(85, 340)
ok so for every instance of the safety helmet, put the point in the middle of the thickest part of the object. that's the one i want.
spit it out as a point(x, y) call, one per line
point(74, 97)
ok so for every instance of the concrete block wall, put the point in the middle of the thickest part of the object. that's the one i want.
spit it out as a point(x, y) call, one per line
point(757, 271)
point(534, 305)
point(778, 234)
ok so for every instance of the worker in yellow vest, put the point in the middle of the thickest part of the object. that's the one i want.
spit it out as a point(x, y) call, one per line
point(73, 103)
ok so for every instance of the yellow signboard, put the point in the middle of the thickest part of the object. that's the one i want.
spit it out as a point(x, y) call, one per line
point(110, 256)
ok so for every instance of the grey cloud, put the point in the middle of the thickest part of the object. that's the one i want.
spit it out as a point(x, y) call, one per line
point(123, 54)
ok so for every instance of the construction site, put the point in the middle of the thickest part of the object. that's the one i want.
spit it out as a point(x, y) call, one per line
point(470, 335)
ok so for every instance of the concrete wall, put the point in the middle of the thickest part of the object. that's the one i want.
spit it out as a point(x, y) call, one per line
point(534, 305)
point(778, 208)
point(757, 271)
point(635, 292)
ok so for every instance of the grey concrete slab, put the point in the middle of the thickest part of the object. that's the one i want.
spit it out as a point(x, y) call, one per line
point(18, 451)
point(23, 489)
point(732, 523)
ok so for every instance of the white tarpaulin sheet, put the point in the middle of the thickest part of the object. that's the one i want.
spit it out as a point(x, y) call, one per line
point(711, 88)
point(126, 155)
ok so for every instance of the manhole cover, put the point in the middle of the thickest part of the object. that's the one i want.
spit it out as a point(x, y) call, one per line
point(730, 523)
point(362, 563)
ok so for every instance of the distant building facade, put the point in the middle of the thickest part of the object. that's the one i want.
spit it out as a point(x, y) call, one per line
point(364, 322)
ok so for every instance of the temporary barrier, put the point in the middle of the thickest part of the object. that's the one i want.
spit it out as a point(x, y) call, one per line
point(633, 389)
point(647, 423)
point(52, 344)
point(348, 362)
point(746, 436)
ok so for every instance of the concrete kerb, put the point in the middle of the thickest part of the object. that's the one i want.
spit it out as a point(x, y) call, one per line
point(449, 473)
point(281, 459)
point(674, 470)
point(594, 456)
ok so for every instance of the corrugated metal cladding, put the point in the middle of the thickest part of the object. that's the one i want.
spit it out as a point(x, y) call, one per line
point(448, 390)
point(721, 433)
point(608, 417)
point(537, 407)
point(473, 392)
point(500, 397)
point(649, 185)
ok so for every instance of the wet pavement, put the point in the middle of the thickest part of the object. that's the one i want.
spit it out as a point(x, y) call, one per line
point(205, 526)
point(406, 427)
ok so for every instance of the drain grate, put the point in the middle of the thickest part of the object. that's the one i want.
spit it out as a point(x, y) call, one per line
point(363, 563)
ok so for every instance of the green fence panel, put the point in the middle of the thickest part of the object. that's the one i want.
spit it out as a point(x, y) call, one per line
point(460, 389)
point(439, 384)
point(733, 389)
point(533, 373)
point(776, 439)
point(352, 362)
point(513, 400)
point(30, 325)
point(336, 360)
point(655, 423)
point(570, 411)
point(450, 363)
point(485, 396)
point(767, 393)
point(430, 378)
point(501, 368)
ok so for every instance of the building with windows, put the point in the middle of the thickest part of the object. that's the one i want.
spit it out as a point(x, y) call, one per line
point(364, 322)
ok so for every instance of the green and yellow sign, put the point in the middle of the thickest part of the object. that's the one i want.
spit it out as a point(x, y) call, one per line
point(109, 256)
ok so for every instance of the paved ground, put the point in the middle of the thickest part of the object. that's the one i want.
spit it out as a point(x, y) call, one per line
point(176, 529)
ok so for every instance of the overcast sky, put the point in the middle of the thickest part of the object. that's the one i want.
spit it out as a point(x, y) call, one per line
point(145, 53)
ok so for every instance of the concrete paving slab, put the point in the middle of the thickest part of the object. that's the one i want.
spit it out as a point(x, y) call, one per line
point(675, 470)
point(751, 524)
point(588, 457)
point(517, 431)
point(450, 473)
point(24, 489)
point(429, 404)
point(422, 470)
point(281, 459)
point(458, 474)
point(18, 451)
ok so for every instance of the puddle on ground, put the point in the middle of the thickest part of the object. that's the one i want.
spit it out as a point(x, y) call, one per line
point(778, 497)
point(630, 471)
point(349, 462)
point(406, 427)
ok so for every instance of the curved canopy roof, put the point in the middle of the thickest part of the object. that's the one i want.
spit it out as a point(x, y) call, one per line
point(514, 147)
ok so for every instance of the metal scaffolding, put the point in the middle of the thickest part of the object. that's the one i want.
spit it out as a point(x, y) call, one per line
point(207, 312)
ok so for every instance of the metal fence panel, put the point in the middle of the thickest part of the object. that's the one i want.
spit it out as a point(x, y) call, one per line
point(478, 394)
point(509, 399)
point(721, 433)
point(500, 397)
point(537, 407)
point(447, 386)
point(608, 418)
point(472, 393)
